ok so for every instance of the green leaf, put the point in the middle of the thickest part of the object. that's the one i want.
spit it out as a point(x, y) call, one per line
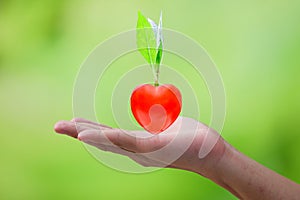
point(153, 25)
point(159, 53)
point(146, 40)
point(159, 41)
point(159, 37)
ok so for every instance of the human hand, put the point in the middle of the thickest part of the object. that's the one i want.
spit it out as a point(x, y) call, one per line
point(177, 147)
point(189, 145)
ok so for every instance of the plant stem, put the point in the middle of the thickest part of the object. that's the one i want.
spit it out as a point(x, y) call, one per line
point(156, 75)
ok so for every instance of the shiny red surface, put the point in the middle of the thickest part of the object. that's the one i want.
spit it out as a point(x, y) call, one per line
point(155, 107)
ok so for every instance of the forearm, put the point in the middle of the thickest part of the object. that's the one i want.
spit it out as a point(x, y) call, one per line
point(248, 179)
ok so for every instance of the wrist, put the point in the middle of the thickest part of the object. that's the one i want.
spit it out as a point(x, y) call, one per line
point(222, 168)
point(209, 166)
point(215, 165)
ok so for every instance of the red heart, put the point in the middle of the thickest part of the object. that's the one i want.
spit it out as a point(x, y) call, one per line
point(155, 107)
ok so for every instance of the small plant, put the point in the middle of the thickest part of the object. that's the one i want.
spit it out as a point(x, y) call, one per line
point(155, 107)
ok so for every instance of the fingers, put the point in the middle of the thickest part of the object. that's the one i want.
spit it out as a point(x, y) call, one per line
point(84, 124)
point(130, 141)
point(117, 141)
point(66, 127)
point(140, 146)
point(121, 139)
point(98, 139)
point(77, 125)
point(85, 121)
point(94, 136)
point(98, 134)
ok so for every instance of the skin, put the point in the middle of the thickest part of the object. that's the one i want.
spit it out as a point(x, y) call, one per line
point(227, 167)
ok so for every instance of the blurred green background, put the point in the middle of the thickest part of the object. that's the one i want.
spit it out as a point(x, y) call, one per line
point(255, 44)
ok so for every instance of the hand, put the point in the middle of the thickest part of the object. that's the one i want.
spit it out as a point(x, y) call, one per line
point(177, 147)
point(188, 145)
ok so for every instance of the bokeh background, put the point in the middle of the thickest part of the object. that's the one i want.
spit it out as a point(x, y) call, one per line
point(255, 45)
